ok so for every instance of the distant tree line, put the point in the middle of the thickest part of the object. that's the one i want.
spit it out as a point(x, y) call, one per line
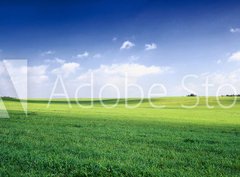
point(192, 95)
point(232, 95)
point(8, 98)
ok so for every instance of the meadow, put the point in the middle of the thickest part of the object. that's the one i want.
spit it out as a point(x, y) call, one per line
point(145, 141)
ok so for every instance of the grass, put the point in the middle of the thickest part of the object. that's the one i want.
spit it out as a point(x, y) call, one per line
point(146, 141)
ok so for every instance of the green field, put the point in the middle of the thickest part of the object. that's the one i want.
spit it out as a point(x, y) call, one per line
point(146, 141)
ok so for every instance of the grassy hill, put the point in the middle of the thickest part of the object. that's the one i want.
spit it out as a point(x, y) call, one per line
point(145, 141)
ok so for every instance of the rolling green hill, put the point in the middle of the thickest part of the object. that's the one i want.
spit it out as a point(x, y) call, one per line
point(145, 141)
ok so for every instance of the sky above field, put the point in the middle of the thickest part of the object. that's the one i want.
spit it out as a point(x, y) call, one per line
point(154, 42)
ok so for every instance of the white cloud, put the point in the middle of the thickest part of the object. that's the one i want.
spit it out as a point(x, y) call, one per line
point(66, 69)
point(38, 81)
point(234, 56)
point(56, 60)
point(98, 55)
point(127, 45)
point(83, 55)
point(216, 80)
point(118, 75)
point(60, 61)
point(49, 52)
point(133, 70)
point(220, 78)
point(14, 78)
point(37, 74)
point(235, 30)
point(16, 67)
point(151, 46)
point(17, 75)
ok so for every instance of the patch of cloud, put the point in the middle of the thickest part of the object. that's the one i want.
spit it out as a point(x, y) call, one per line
point(66, 69)
point(37, 74)
point(49, 52)
point(234, 56)
point(151, 46)
point(14, 78)
point(17, 75)
point(132, 70)
point(219, 79)
point(219, 83)
point(234, 30)
point(127, 45)
point(56, 60)
point(118, 75)
point(83, 55)
point(60, 61)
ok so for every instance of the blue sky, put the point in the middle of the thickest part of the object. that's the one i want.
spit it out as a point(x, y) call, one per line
point(186, 37)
